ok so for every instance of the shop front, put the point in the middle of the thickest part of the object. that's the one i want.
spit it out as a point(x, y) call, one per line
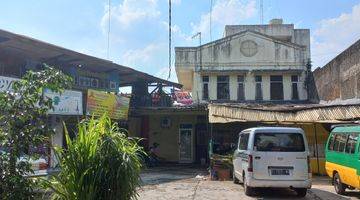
point(180, 133)
point(227, 121)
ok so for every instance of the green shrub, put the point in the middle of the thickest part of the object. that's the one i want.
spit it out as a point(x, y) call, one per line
point(100, 163)
point(24, 124)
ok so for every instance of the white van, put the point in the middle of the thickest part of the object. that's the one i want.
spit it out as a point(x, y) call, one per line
point(274, 157)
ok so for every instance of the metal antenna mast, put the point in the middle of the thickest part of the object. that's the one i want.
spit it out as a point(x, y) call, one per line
point(261, 12)
point(198, 34)
point(108, 34)
point(169, 40)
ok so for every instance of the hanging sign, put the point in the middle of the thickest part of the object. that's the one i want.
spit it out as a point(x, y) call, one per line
point(67, 103)
point(6, 83)
point(183, 97)
point(99, 102)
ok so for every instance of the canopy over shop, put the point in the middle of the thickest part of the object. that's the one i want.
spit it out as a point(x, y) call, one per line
point(227, 120)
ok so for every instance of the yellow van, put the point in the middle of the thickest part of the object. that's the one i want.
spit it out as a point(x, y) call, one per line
point(343, 158)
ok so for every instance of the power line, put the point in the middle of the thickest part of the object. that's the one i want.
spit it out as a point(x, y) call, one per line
point(169, 40)
point(108, 34)
point(261, 12)
point(211, 5)
point(327, 53)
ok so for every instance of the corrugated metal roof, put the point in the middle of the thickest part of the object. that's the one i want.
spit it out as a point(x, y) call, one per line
point(188, 109)
point(223, 113)
point(44, 52)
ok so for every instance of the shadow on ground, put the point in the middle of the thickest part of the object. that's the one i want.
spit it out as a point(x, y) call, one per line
point(332, 195)
point(274, 193)
point(165, 174)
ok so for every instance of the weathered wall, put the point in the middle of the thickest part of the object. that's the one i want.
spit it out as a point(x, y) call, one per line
point(57, 138)
point(134, 126)
point(340, 78)
point(278, 48)
point(168, 138)
point(316, 136)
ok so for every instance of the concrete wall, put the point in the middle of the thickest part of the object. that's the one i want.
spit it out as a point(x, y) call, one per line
point(57, 138)
point(340, 78)
point(249, 86)
point(226, 54)
point(134, 126)
point(275, 30)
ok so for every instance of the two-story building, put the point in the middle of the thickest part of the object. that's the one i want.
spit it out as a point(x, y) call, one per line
point(255, 75)
point(250, 63)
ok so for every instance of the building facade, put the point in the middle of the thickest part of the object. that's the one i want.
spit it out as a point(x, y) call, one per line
point(250, 63)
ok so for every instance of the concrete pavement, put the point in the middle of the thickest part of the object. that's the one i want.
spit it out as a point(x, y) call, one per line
point(172, 183)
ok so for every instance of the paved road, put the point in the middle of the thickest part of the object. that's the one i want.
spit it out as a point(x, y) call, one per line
point(181, 183)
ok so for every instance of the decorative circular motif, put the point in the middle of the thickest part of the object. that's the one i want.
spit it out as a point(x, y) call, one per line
point(248, 48)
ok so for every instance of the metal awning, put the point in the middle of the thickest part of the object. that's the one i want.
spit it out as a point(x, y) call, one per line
point(222, 71)
point(26, 48)
point(288, 113)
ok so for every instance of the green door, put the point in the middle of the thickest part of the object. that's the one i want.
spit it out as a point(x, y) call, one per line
point(352, 159)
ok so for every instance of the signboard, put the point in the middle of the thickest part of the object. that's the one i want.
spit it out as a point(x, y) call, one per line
point(6, 83)
point(99, 102)
point(67, 103)
point(183, 97)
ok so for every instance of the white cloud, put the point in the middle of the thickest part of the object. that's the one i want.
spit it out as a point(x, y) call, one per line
point(335, 35)
point(137, 57)
point(176, 2)
point(176, 31)
point(129, 12)
point(225, 12)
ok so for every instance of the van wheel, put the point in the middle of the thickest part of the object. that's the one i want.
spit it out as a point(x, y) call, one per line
point(301, 192)
point(249, 191)
point(338, 185)
point(235, 180)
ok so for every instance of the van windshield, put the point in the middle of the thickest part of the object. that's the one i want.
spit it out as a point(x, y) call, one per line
point(284, 142)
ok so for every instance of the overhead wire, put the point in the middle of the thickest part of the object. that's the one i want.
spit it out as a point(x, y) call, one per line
point(169, 40)
point(211, 5)
point(108, 33)
point(261, 12)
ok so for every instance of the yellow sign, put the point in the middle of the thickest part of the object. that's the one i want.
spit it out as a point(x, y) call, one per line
point(99, 102)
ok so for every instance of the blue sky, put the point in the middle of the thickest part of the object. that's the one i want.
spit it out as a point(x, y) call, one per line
point(139, 32)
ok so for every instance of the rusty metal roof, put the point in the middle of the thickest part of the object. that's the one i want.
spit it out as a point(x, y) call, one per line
point(294, 113)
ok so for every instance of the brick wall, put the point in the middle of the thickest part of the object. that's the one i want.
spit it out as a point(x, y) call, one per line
point(340, 78)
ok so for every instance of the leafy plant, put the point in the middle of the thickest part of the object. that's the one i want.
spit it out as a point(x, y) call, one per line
point(23, 124)
point(100, 163)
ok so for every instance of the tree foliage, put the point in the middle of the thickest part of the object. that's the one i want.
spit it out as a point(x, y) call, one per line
point(101, 163)
point(24, 124)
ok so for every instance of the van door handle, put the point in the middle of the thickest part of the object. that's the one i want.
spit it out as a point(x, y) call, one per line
point(257, 157)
